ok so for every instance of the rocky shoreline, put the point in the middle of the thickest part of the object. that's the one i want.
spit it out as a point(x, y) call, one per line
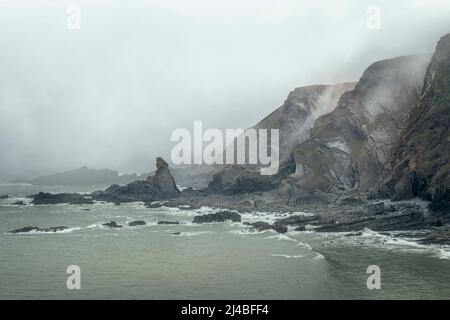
point(350, 214)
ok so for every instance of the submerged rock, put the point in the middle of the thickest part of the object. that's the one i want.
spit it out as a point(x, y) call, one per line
point(19, 203)
point(168, 222)
point(4, 196)
point(220, 216)
point(137, 223)
point(112, 224)
point(57, 198)
point(34, 228)
point(277, 226)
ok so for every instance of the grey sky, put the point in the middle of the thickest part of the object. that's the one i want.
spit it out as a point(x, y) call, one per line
point(110, 94)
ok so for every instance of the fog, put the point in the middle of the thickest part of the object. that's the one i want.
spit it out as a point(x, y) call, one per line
point(110, 93)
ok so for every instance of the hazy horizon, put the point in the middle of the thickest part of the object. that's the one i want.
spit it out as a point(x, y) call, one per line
point(109, 94)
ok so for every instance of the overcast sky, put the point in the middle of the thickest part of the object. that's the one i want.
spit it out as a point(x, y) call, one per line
point(111, 93)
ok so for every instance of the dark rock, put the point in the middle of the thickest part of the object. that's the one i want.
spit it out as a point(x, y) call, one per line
point(112, 224)
point(352, 201)
point(19, 203)
point(220, 216)
point(298, 220)
point(137, 223)
point(261, 226)
point(376, 208)
point(168, 222)
point(4, 196)
point(356, 234)
point(422, 156)
point(70, 198)
point(161, 186)
point(34, 228)
point(176, 233)
point(350, 148)
point(279, 227)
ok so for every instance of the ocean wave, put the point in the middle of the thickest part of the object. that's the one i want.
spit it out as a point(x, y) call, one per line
point(287, 256)
point(318, 256)
point(193, 234)
point(391, 242)
point(280, 237)
point(11, 202)
point(247, 231)
point(269, 216)
point(37, 232)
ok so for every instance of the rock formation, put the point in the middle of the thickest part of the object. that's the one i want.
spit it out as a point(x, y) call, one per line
point(158, 187)
point(293, 119)
point(352, 147)
point(421, 163)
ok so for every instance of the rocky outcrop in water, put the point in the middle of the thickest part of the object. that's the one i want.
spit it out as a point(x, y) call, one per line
point(112, 224)
point(137, 223)
point(37, 229)
point(168, 222)
point(158, 187)
point(220, 216)
point(70, 198)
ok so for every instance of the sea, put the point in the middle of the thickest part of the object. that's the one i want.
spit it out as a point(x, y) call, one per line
point(200, 261)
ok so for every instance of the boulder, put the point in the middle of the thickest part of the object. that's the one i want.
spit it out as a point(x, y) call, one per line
point(261, 226)
point(34, 228)
point(220, 216)
point(168, 222)
point(70, 198)
point(137, 223)
point(112, 224)
point(161, 186)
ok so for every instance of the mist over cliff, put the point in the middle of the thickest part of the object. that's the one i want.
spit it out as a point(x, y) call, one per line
point(109, 95)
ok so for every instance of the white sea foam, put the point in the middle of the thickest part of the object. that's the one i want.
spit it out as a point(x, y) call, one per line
point(36, 232)
point(287, 256)
point(193, 234)
point(389, 242)
point(280, 237)
point(318, 256)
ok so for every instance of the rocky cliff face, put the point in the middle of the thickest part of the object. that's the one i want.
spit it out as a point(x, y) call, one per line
point(294, 120)
point(421, 162)
point(352, 147)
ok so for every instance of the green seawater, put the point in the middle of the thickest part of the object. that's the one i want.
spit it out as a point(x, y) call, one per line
point(208, 261)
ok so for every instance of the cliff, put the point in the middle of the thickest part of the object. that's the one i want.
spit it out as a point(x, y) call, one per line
point(352, 147)
point(421, 162)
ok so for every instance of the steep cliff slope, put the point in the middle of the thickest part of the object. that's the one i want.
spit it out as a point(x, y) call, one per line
point(293, 119)
point(422, 160)
point(351, 148)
